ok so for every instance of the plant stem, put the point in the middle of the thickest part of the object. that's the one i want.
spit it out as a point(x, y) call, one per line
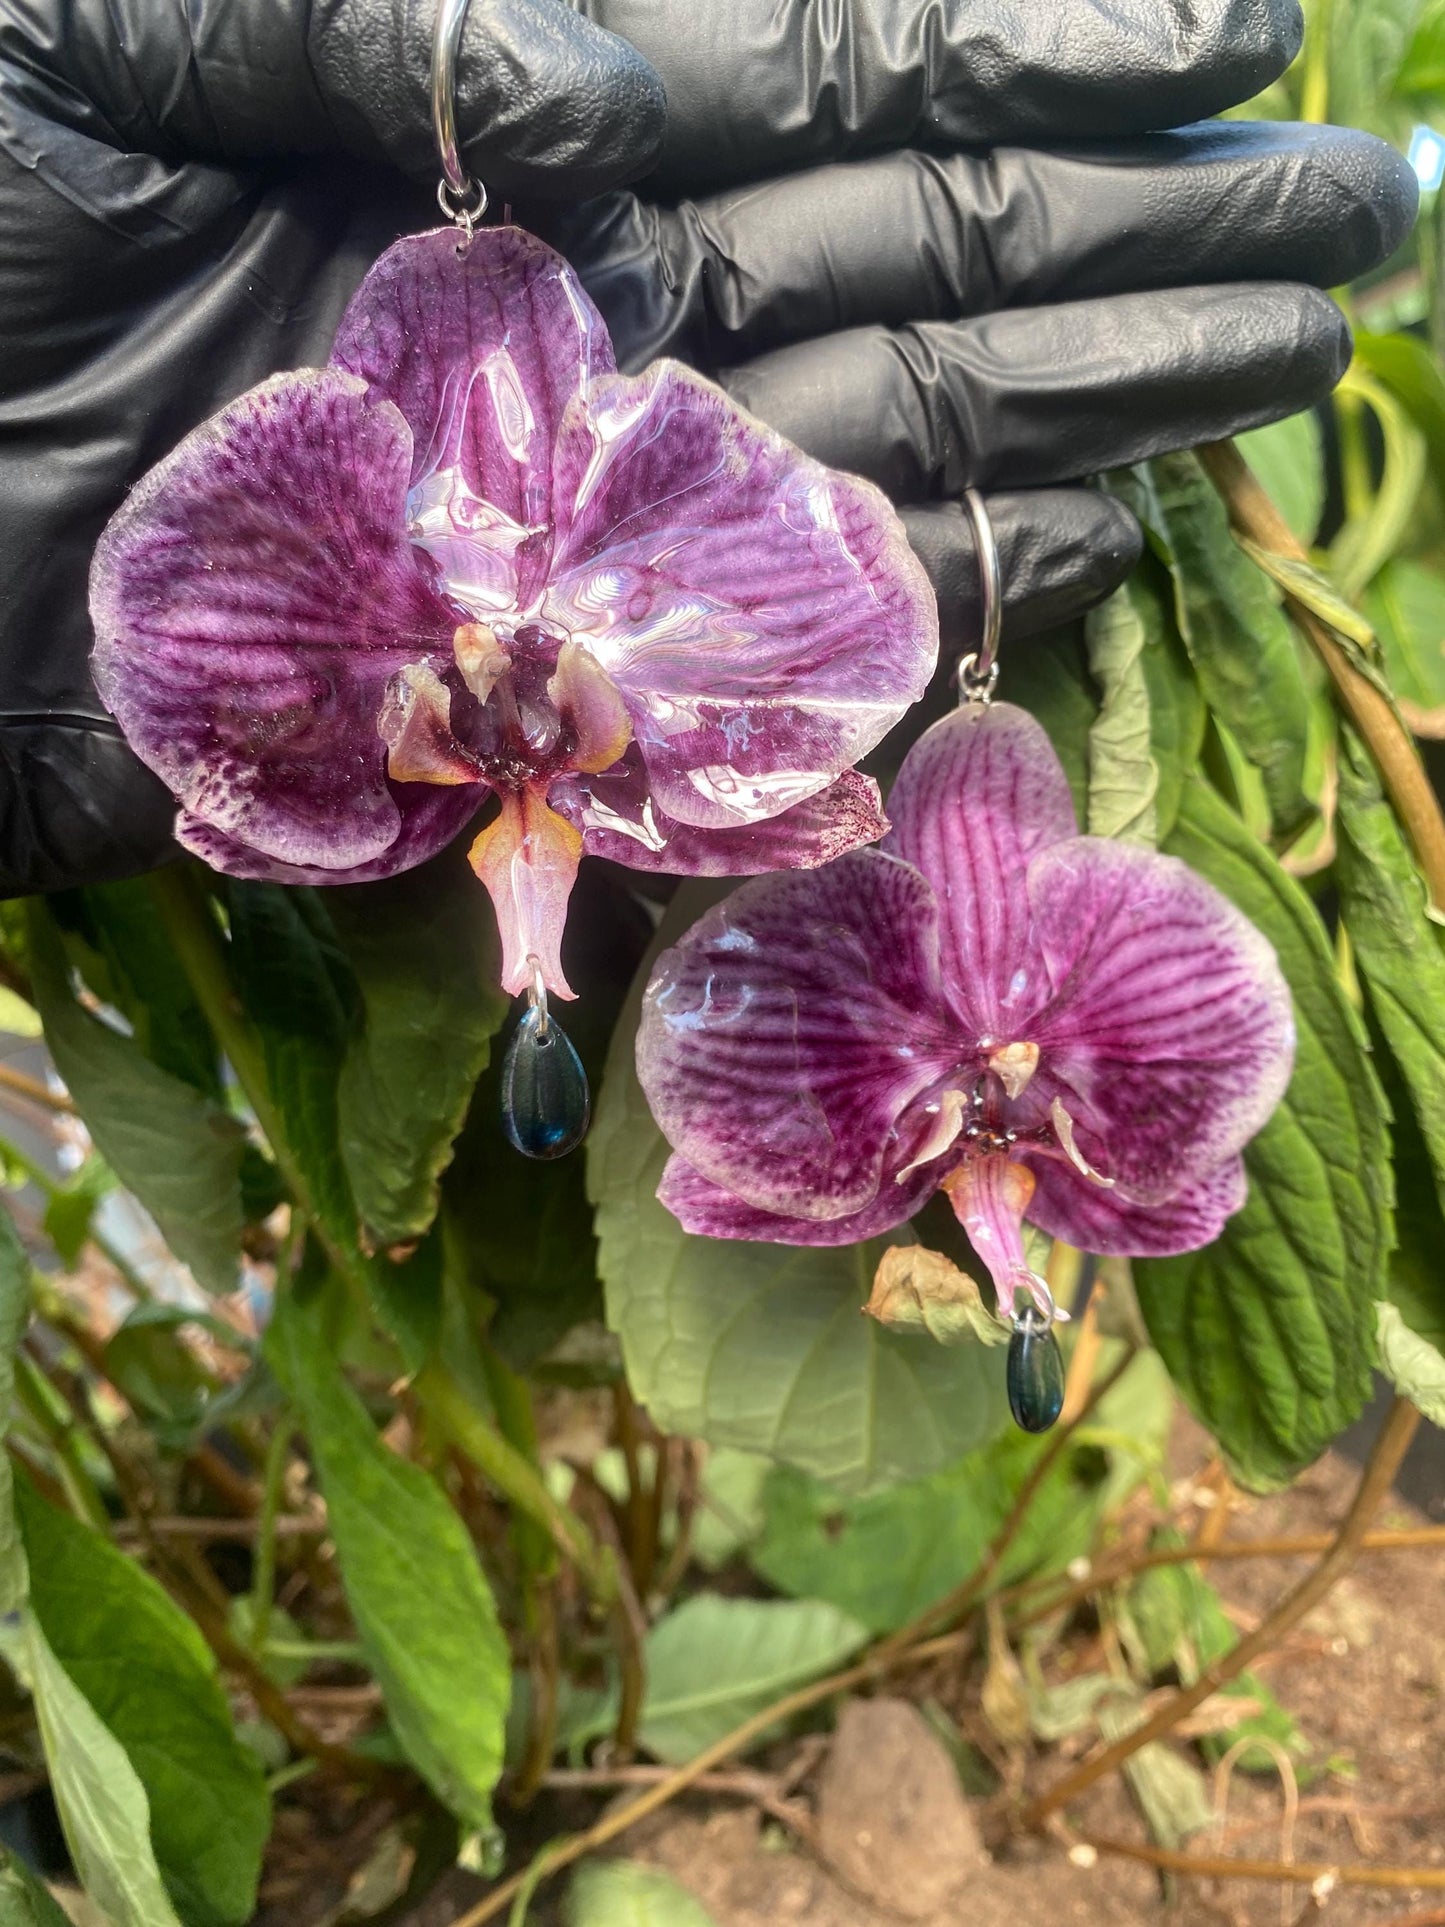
point(263, 1572)
point(955, 1604)
point(1299, 1872)
point(63, 1435)
point(34, 1092)
point(564, 1852)
point(1252, 513)
point(1378, 1476)
point(518, 1481)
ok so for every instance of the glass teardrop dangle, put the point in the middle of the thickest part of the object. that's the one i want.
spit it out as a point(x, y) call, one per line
point(546, 1105)
point(1035, 1372)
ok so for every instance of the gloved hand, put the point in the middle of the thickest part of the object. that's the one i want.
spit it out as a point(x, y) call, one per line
point(190, 192)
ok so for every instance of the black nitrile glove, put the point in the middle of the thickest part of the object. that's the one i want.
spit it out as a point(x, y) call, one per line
point(191, 189)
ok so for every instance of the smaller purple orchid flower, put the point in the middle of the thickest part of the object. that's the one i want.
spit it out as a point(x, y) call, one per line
point(1045, 1025)
point(470, 558)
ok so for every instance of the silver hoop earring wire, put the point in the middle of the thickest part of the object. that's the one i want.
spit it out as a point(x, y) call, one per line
point(978, 671)
point(461, 199)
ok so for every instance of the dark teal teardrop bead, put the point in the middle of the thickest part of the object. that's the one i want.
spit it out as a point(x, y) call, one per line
point(1035, 1375)
point(546, 1105)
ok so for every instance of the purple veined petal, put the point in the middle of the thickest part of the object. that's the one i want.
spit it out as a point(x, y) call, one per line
point(1067, 1206)
point(251, 600)
point(704, 1208)
point(785, 1037)
point(1171, 1022)
point(527, 857)
point(978, 796)
point(618, 819)
point(481, 348)
point(428, 825)
point(763, 616)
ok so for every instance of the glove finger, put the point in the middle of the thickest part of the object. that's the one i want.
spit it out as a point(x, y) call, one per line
point(912, 237)
point(1038, 395)
point(1060, 551)
point(547, 102)
point(757, 85)
point(79, 806)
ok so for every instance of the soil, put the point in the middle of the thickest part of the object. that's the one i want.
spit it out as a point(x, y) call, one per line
point(1364, 1676)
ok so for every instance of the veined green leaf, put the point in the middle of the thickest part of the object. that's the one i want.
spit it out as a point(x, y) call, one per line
point(1269, 1332)
point(101, 1803)
point(423, 947)
point(1123, 777)
point(175, 1148)
point(1409, 370)
point(150, 1678)
point(623, 1893)
point(763, 1346)
point(1406, 605)
point(1238, 638)
point(423, 1609)
point(1059, 691)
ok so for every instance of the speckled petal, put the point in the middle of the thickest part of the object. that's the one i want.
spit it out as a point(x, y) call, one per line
point(978, 796)
point(427, 826)
point(763, 617)
point(703, 1207)
point(785, 1038)
point(251, 600)
point(1170, 1031)
point(1069, 1207)
point(618, 819)
point(482, 349)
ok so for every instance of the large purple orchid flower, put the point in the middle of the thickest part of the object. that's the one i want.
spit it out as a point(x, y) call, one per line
point(469, 556)
point(1046, 1025)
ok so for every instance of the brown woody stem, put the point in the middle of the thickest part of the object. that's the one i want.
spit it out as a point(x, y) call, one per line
point(1253, 514)
point(1301, 1872)
point(1378, 1476)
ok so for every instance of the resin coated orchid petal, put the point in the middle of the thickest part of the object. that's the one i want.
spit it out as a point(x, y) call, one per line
point(784, 1039)
point(762, 616)
point(1170, 1025)
point(705, 1208)
point(1069, 1207)
point(618, 819)
point(482, 350)
point(527, 856)
point(978, 796)
point(429, 822)
point(252, 600)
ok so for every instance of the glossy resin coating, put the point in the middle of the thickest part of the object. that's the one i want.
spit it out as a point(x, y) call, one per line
point(1035, 1374)
point(546, 1104)
point(470, 559)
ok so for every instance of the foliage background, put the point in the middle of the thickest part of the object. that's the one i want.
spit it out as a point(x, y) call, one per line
point(476, 1438)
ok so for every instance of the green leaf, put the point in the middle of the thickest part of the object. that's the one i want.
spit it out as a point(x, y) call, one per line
point(17, 1018)
point(1123, 777)
point(70, 1209)
point(175, 1148)
point(423, 1610)
point(1238, 638)
point(1412, 1364)
point(1399, 952)
point(149, 1676)
point(127, 959)
point(1417, 1278)
point(423, 947)
point(101, 1802)
point(1406, 605)
point(713, 1662)
point(1408, 369)
point(623, 1893)
point(1288, 458)
point(1059, 692)
point(1364, 545)
point(1268, 1332)
point(14, 1317)
point(23, 1901)
point(885, 1557)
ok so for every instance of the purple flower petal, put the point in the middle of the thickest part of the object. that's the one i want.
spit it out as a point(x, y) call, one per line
point(762, 616)
point(482, 349)
point(429, 822)
point(783, 1039)
point(1067, 1206)
point(1170, 1029)
point(704, 1208)
point(251, 600)
point(618, 819)
point(978, 796)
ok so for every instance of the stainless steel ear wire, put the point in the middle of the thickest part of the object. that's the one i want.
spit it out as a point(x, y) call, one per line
point(978, 671)
point(461, 199)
